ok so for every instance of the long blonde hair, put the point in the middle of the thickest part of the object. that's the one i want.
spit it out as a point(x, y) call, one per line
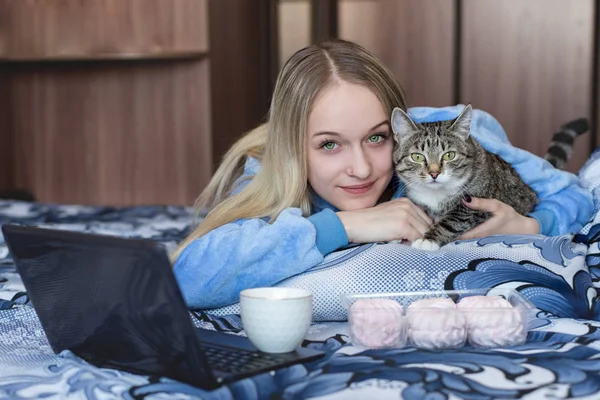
point(279, 144)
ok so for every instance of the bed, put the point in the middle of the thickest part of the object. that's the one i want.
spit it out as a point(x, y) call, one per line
point(561, 358)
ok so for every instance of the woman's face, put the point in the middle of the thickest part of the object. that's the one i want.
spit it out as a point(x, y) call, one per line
point(349, 147)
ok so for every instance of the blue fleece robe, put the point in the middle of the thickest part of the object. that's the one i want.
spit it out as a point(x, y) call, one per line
point(213, 269)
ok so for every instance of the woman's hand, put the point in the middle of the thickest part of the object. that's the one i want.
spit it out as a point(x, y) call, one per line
point(398, 219)
point(504, 220)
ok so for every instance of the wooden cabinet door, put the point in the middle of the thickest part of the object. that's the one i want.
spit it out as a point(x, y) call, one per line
point(108, 100)
point(414, 38)
point(529, 63)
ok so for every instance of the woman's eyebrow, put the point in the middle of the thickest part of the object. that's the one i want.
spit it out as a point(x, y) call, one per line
point(321, 133)
point(386, 122)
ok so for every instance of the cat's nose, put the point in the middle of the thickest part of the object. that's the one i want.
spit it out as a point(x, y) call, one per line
point(434, 174)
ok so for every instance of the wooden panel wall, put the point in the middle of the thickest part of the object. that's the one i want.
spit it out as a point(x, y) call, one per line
point(109, 100)
point(294, 19)
point(243, 44)
point(324, 17)
point(5, 138)
point(128, 133)
point(75, 29)
point(529, 63)
point(414, 38)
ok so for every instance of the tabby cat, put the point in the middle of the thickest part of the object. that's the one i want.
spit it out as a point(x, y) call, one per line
point(439, 163)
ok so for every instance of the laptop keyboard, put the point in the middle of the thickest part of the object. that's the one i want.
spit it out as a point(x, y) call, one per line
point(238, 360)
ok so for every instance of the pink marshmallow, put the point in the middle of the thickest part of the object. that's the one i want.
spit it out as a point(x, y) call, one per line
point(376, 323)
point(435, 323)
point(492, 321)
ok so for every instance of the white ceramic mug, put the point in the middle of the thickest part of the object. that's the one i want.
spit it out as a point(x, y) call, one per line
point(276, 319)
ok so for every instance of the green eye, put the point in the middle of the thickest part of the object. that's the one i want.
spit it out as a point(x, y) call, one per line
point(329, 145)
point(375, 138)
point(449, 156)
point(417, 157)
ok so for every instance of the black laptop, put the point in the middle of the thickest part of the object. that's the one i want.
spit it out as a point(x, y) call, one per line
point(115, 303)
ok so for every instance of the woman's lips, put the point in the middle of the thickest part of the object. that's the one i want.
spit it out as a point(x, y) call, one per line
point(358, 189)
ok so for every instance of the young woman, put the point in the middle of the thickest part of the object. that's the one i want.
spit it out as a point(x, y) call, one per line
point(317, 177)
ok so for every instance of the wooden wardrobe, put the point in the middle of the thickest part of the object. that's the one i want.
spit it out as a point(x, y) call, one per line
point(124, 102)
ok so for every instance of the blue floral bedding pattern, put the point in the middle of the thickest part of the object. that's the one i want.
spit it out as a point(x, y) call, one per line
point(561, 358)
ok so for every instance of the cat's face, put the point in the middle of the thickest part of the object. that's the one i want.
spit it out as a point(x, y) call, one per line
point(436, 156)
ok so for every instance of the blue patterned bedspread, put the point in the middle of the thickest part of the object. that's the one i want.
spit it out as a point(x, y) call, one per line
point(561, 358)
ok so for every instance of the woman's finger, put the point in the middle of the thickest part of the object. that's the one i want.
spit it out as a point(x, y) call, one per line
point(412, 233)
point(482, 204)
point(418, 225)
point(426, 219)
point(417, 211)
point(477, 232)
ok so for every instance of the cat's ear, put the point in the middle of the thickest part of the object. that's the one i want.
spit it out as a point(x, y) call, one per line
point(401, 123)
point(462, 124)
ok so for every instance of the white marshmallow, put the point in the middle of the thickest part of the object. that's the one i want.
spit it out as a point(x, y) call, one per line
point(376, 323)
point(436, 323)
point(492, 321)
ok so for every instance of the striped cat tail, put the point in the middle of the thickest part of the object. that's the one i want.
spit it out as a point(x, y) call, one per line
point(561, 145)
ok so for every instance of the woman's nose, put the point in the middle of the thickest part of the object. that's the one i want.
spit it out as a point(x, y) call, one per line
point(360, 165)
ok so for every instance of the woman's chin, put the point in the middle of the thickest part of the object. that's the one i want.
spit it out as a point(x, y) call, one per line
point(355, 204)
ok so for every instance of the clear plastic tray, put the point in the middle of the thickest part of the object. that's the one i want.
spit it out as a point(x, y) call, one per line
point(437, 319)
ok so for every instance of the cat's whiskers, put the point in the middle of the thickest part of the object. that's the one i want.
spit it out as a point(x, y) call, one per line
point(462, 189)
point(408, 182)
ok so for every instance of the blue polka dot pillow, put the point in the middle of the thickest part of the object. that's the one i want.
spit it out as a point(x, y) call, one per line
point(549, 271)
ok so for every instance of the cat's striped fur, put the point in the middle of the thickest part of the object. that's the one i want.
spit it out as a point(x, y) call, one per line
point(439, 163)
point(438, 185)
point(562, 142)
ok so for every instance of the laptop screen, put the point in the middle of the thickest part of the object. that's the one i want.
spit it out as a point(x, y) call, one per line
point(113, 302)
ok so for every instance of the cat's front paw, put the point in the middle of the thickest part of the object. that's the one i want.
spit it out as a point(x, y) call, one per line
point(424, 244)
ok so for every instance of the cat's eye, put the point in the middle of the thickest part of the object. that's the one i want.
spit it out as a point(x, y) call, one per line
point(449, 156)
point(417, 157)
